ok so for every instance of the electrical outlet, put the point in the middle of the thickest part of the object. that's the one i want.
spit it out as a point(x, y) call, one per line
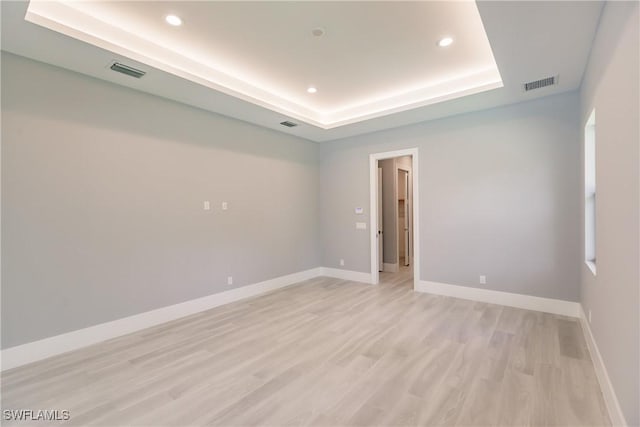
point(483, 280)
point(341, 262)
point(206, 205)
point(230, 280)
point(589, 316)
point(225, 206)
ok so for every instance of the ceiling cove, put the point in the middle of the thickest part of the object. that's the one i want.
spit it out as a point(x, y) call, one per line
point(327, 64)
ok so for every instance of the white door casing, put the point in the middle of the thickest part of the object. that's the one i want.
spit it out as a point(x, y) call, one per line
point(373, 207)
point(407, 206)
point(380, 222)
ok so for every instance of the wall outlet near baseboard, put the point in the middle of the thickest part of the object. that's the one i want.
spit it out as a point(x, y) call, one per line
point(483, 280)
point(341, 262)
point(230, 280)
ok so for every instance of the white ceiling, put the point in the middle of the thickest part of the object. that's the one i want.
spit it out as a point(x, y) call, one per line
point(377, 65)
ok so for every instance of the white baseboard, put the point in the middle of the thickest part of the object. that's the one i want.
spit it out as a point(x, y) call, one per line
point(528, 302)
point(338, 273)
point(391, 268)
point(42, 349)
point(608, 392)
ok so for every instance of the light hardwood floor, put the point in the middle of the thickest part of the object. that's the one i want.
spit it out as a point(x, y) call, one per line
point(328, 352)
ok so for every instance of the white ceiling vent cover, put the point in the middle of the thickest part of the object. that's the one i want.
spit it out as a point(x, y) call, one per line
point(547, 81)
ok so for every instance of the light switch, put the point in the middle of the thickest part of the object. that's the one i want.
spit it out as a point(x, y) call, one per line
point(359, 211)
point(361, 225)
point(225, 206)
point(206, 205)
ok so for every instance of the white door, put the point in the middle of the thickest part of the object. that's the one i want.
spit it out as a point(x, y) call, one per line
point(407, 209)
point(379, 235)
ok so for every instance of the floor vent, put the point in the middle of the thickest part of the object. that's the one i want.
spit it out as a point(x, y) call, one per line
point(548, 81)
point(288, 124)
point(125, 69)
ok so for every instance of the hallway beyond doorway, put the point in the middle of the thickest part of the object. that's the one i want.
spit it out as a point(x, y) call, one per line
point(402, 277)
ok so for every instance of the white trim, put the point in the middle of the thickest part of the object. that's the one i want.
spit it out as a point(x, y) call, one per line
point(407, 169)
point(390, 267)
point(373, 208)
point(608, 392)
point(528, 302)
point(42, 349)
point(373, 218)
point(395, 208)
point(338, 273)
point(592, 266)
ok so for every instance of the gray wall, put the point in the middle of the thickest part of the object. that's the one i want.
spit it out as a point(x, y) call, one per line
point(102, 202)
point(611, 87)
point(499, 196)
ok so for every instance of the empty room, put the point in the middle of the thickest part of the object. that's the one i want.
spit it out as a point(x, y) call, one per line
point(314, 213)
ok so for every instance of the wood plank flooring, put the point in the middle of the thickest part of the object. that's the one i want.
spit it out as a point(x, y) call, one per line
point(327, 352)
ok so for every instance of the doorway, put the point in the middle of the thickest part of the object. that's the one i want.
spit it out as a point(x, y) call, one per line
point(394, 205)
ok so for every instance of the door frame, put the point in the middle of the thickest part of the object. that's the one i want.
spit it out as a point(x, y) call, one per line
point(373, 209)
point(379, 233)
point(409, 219)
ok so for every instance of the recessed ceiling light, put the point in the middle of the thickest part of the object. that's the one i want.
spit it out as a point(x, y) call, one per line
point(445, 41)
point(312, 89)
point(173, 20)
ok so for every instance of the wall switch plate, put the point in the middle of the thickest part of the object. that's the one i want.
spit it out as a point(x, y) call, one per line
point(589, 315)
point(225, 206)
point(341, 262)
point(206, 205)
point(359, 211)
point(483, 280)
point(230, 280)
point(361, 225)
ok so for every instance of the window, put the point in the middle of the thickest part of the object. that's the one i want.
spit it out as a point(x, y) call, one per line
point(590, 192)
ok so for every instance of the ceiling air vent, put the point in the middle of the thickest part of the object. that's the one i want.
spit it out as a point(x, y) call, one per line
point(548, 81)
point(125, 69)
point(289, 124)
